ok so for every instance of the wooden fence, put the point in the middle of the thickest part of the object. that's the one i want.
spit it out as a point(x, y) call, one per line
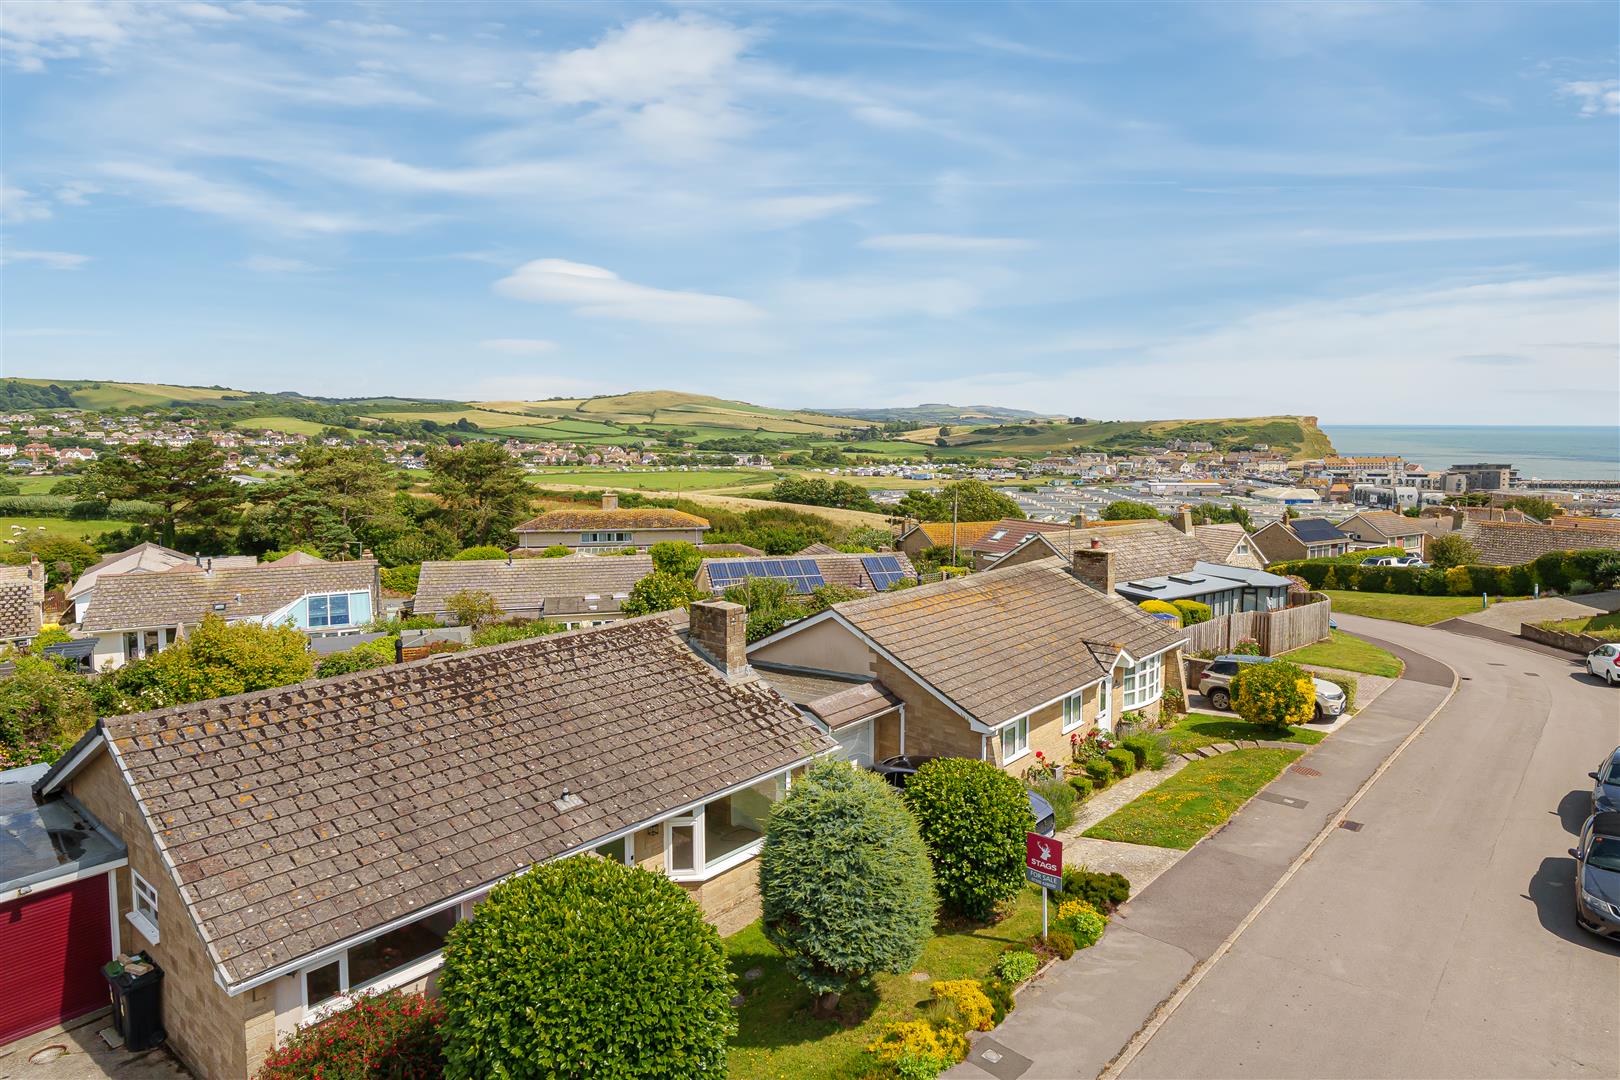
point(1276, 631)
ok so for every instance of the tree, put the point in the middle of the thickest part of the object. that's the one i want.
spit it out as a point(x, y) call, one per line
point(43, 709)
point(844, 881)
point(1451, 549)
point(481, 490)
point(676, 557)
point(472, 607)
point(771, 605)
point(63, 557)
point(1534, 505)
point(1128, 510)
point(973, 818)
point(338, 498)
point(586, 968)
point(660, 591)
point(868, 537)
point(825, 596)
point(819, 491)
point(974, 500)
point(1277, 695)
point(217, 659)
point(479, 553)
point(188, 486)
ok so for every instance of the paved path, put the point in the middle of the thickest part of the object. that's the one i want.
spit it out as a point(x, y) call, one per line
point(1439, 940)
point(1076, 1018)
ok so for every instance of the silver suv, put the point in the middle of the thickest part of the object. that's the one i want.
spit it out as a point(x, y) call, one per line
point(1216, 681)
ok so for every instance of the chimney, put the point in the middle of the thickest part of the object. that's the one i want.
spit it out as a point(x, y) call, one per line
point(718, 630)
point(610, 500)
point(36, 572)
point(1095, 567)
point(1184, 520)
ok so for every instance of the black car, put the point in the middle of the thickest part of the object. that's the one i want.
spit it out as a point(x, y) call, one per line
point(1597, 875)
point(898, 770)
point(1606, 792)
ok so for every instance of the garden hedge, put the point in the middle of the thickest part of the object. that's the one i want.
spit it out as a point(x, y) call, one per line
point(973, 818)
point(1557, 571)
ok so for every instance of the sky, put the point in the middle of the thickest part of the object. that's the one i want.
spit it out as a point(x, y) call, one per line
point(1370, 213)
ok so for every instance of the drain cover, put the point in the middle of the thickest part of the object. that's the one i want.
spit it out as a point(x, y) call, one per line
point(1353, 826)
point(1284, 800)
point(1304, 770)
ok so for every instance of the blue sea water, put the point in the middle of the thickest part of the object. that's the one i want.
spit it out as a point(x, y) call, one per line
point(1545, 453)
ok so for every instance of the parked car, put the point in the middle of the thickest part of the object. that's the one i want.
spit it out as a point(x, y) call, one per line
point(1606, 792)
point(898, 770)
point(1597, 875)
point(1216, 682)
point(1414, 561)
point(1604, 662)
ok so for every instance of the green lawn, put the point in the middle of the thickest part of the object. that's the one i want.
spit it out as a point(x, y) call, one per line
point(37, 485)
point(1349, 653)
point(1183, 809)
point(1606, 627)
point(1195, 731)
point(1398, 607)
point(778, 1037)
point(43, 526)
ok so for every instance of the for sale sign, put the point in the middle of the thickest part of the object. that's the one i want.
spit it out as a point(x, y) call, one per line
point(1043, 861)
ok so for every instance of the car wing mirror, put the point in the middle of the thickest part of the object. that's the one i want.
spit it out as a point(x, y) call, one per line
point(1593, 775)
point(1576, 852)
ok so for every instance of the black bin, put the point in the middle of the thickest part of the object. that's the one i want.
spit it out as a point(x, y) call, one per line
point(137, 1002)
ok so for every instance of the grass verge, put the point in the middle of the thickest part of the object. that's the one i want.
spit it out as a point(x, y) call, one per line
point(778, 1037)
point(1399, 607)
point(1603, 627)
point(1195, 731)
point(1347, 652)
point(1182, 810)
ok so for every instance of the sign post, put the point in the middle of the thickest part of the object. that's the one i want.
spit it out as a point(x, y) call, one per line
point(1043, 865)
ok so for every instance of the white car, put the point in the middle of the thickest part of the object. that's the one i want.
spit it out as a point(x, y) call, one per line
point(1604, 662)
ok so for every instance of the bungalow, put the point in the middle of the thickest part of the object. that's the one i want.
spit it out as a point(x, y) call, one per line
point(135, 615)
point(290, 848)
point(1508, 543)
point(1227, 544)
point(1141, 548)
point(988, 666)
point(609, 528)
point(868, 573)
point(1226, 589)
point(1005, 535)
point(1384, 528)
point(147, 558)
point(942, 534)
point(1301, 538)
point(575, 590)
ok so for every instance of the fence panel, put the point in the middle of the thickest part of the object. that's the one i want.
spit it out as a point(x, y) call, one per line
point(1275, 631)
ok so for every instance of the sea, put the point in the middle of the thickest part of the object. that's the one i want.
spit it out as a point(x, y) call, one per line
point(1539, 453)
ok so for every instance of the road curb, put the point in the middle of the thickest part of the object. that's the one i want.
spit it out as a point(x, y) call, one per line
point(1122, 1060)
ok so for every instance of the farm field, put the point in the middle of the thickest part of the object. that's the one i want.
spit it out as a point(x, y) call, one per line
point(650, 479)
point(106, 396)
point(36, 485)
point(16, 527)
point(290, 424)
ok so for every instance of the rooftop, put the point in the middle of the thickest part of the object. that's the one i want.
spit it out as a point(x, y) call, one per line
point(568, 585)
point(188, 593)
point(641, 517)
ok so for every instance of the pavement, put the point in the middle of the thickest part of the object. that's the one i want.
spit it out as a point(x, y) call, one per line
point(1076, 1018)
point(1439, 939)
point(75, 1051)
point(1508, 616)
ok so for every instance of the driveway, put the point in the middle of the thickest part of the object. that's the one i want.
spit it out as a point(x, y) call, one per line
point(77, 1052)
point(1508, 616)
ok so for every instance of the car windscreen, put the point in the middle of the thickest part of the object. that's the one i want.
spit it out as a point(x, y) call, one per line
point(1604, 853)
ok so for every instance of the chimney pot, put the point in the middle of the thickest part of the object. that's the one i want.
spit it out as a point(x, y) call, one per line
point(1184, 520)
point(1095, 543)
point(718, 629)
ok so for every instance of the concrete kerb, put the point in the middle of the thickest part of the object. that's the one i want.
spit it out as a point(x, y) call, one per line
point(1122, 1060)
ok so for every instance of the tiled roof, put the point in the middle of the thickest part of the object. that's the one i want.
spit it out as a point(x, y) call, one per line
point(560, 585)
point(1389, 523)
point(1508, 543)
point(147, 557)
point(185, 594)
point(818, 548)
point(1141, 548)
point(21, 596)
point(1218, 540)
point(1315, 530)
point(1001, 643)
point(640, 517)
point(838, 568)
point(835, 700)
point(938, 533)
point(1004, 535)
point(297, 817)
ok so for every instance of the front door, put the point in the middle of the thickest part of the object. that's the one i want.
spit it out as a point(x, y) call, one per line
point(1105, 704)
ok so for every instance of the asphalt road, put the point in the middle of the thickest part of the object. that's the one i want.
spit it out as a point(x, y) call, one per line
point(1439, 940)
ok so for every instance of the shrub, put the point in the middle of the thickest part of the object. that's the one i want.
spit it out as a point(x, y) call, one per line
point(970, 1001)
point(1061, 943)
point(1172, 702)
point(1105, 892)
point(1101, 772)
point(1451, 549)
point(402, 579)
point(1017, 965)
point(555, 551)
point(973, 818)
point(877, 912)
point(1276, 695)
point(917, 1049)
point(478, 553)
point(1081, 786)
point(1081, 921)
point(1150, 750)
point(1246, 647)
point(1519, 581)
point(1160, 607)
point(1062, 797)
point(1348, 684)
point(1401, 579)
point(392, 1035)
point(1123, 762)
point(371, 654)
point(1484, 579)
point(1432, 582)
point(676, 557)
point(1001, 998)
point(517, 630)
point(43, 709)
point(472, 607)
point(1458, 583)
point(584, 960)
point(1193, 612)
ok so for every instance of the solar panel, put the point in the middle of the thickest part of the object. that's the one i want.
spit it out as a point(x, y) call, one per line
point(884, 570)
point(801, 575)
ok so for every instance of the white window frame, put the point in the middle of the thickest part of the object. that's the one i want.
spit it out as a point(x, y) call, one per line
point(348, 610)
point(1019, 729)
point(1074, 711)
point(388, 980)
point(1148, 674)
point(702, 869)
point(605, 536)
point(1105, 703)
point(143, 909)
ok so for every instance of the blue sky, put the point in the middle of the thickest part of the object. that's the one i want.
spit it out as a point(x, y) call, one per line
point(1377, 213)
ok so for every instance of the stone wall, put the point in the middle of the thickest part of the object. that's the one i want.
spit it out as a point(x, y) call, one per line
point(1560, 639)
point(932, 727)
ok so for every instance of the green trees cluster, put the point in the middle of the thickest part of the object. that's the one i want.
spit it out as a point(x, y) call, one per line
point(1129, 510)
point(772, 603)
point(43, 709)
point(216, 659)
point(820, 491)
point(972, 500)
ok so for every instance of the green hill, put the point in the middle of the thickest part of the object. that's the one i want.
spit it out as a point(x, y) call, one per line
point(1296, 436)
point(939, 414)
point(110, 396)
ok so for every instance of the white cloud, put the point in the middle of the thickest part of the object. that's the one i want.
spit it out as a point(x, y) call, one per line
point(17, 205)
point(1596, 98)
point(784, 210)
point(76, 193)
point(33, 33)
point(189, 191)
point(518, 346)
point(931, 243)
point(272, 12)
point(275, 264)
point(55, 260)
point(599, 293)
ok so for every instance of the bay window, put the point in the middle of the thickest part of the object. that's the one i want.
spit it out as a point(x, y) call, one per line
point(1144, 682)
point(377, 964)
point(1015, 740)
point(721, 832)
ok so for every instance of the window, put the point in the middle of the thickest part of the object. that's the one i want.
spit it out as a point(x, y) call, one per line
point(618, 850)
point(332, 610)
point(1015, 740)
point(604, 538)
point(1144, 682)
point(144, 913)
point(370, 965)
point(1073, 712)
point(720, 833)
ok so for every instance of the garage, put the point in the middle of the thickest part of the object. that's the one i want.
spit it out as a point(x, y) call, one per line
point(56, 928)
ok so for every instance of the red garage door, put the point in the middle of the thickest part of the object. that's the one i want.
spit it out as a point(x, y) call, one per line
point(53, 945)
